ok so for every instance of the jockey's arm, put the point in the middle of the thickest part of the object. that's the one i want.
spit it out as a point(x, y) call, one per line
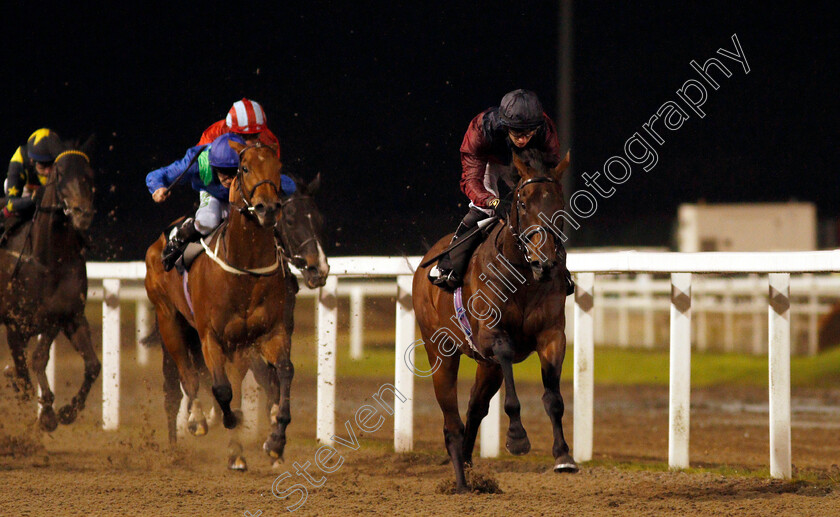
point(14, 185)
point(166, 176)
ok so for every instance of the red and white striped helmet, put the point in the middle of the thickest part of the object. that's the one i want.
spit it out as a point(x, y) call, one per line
point(246, 116)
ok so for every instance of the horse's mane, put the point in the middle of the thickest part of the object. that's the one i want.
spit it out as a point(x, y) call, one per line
point(533, 158)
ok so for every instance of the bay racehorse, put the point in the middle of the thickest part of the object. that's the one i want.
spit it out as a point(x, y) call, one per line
point(514, 293)
point(299, 232)
point(231, 303)
point(44, 280)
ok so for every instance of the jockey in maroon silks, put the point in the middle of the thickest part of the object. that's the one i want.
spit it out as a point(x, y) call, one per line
point(247, 119)
point(486, 158)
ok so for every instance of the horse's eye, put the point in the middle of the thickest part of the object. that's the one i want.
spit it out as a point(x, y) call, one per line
point(245, 170)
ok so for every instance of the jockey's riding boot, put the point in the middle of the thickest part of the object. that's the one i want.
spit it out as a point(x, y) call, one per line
point(453, 266)
point(181, 235)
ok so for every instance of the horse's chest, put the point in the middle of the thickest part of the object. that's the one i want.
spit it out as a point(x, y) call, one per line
point(245, 327)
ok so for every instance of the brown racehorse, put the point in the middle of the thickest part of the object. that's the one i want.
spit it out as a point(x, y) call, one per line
point(236, 305)
point(44, 279)
point(510, 317)
point(299, 230)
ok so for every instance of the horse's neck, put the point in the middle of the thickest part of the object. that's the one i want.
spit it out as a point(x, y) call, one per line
point(247, 244)
point(501, 255)
point(52, 236)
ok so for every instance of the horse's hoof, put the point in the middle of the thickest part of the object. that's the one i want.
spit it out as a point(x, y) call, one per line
point(67, 414)
point(237, 463)
point(47, 420)
point(518, 446)
point(464, 489)
point(274, 448)
point(197, 428)
point(230, 420)
point(277, 464)
point(565, 464)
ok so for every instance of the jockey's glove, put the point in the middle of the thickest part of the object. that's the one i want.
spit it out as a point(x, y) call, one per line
point(501, 207)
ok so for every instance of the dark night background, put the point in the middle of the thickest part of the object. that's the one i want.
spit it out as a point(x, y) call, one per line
point(377, 96)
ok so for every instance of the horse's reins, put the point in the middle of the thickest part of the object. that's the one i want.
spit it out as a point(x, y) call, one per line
point(518, 206)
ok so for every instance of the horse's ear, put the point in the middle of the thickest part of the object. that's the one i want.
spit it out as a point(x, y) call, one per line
point(314, 185)
point(562, 166)
point(236, 146)
point(89, 144)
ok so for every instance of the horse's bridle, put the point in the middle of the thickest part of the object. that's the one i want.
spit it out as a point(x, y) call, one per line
point(62, 205)
point(518, 206)
point(295, 257)
point(240, 172)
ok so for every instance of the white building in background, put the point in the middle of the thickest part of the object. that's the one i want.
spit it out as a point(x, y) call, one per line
point(747, 227)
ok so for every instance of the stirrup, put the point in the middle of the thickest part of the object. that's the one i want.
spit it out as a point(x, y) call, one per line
point(444, 278)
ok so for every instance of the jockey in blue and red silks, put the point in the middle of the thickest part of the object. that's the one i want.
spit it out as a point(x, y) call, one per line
point(210, 169)
point(247, 119)
point(486, 158)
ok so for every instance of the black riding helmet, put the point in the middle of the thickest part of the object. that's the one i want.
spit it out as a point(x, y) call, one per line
point(521, 109)
point(43, 145)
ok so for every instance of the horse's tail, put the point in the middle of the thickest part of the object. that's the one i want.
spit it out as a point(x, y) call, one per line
point(153, 339)
point(405, 256)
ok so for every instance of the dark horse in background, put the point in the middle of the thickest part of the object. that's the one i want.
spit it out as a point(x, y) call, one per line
point(44, 280)
point(234, 306)
point(530, 318)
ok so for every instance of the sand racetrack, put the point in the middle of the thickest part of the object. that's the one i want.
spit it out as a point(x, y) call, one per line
point(82, 470)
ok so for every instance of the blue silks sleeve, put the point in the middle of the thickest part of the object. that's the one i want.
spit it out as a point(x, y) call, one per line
point(165, 176)
point(288, 185)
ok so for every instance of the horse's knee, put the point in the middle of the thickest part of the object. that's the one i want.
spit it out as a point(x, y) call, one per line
point(553, 400)
point(92, 369)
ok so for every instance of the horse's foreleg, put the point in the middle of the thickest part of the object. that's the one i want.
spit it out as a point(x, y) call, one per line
point(277, 351)
point(17, 344)
point(40, 358)
point(215, 359)
point(78, 331)
point(488, 379)
point(551, 360)
point(517, 439)
point(236, 372)
point(445, 380)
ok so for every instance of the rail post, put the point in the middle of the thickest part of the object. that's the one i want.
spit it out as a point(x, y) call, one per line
point(779, 372)
point(403, 377)
point(680, 377)
point(327, 346)
point(111, 354)
point(584, 381)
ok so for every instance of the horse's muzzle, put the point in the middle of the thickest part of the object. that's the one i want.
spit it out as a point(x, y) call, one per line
point(266, 213)
point(80, 218)
point(542, 269)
